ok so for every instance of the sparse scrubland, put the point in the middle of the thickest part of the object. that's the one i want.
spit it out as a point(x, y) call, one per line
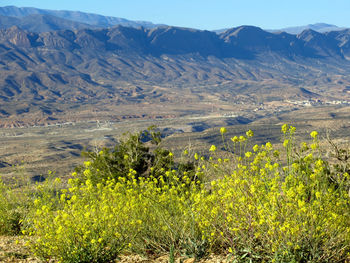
point(251, 203)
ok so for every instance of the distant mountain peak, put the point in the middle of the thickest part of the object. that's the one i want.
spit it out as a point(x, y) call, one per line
point(318, 27)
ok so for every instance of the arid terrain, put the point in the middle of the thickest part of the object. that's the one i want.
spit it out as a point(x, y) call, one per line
point(36, 150)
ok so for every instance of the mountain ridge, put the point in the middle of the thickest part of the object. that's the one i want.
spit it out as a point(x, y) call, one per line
point(76, 16)
point(42, 23)
point(295, 30)
point(178, 40)
point(100, 21)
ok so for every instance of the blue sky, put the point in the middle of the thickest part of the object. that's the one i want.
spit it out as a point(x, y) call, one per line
point(209, 14)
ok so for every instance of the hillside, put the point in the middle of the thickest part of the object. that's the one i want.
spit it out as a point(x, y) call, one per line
point(68, 75)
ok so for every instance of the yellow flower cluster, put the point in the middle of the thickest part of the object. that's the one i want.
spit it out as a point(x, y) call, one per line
point(251, 205)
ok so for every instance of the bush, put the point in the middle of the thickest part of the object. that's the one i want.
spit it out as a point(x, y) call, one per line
point(132, 153)
point(131, 198)
point(257, 207)
point(261, 211)
point(94, 223)
point(75, 226)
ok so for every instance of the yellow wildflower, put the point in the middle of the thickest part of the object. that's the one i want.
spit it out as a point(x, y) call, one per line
point(212, 148)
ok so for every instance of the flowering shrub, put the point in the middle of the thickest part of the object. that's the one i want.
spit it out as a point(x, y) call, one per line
point(249, 204)
point(93, 223)
point(261, 211)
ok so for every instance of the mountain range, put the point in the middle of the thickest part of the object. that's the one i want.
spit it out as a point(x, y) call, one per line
point(79, 72)
point(50, 20)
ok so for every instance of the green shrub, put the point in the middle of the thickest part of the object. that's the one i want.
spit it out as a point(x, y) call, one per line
point(131, 153)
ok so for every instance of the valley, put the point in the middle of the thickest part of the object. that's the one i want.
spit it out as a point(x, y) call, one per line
point(34, 150)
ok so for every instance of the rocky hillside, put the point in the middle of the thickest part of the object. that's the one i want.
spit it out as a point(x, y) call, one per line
point(48, 73)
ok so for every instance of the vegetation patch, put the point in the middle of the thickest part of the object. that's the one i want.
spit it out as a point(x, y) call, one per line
point(249, 203)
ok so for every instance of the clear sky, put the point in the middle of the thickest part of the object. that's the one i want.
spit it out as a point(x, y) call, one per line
point(209, 14)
